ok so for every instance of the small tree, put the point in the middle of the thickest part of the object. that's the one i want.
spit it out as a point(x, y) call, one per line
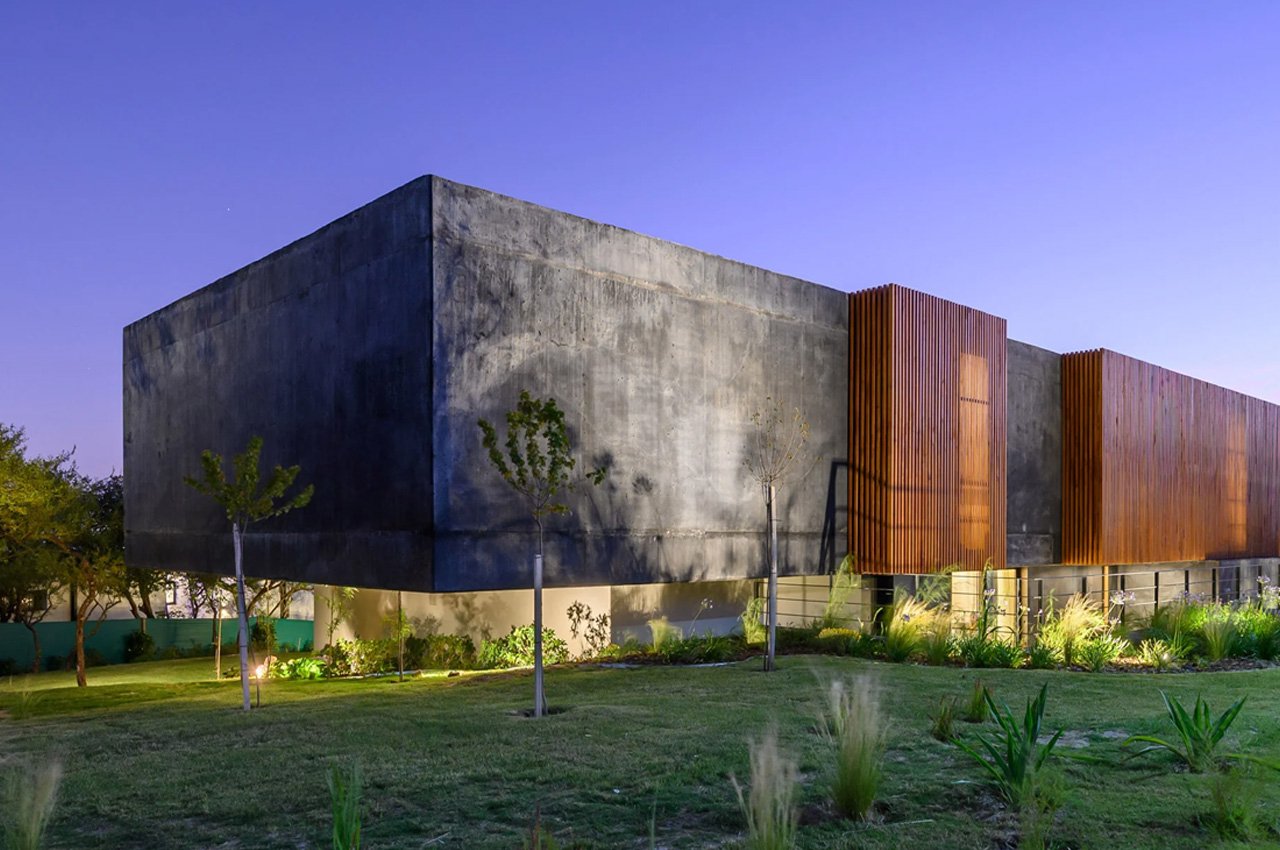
point(775, 453)
point(538, 464)
point(33, 503)
point(245, 504)
point(341, 606)
point(94, 550)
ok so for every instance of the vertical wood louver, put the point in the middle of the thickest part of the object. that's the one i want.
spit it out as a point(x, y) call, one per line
point(1158, 466)
point(927, 439)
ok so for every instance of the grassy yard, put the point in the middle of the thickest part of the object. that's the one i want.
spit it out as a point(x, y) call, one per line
point(157, 758)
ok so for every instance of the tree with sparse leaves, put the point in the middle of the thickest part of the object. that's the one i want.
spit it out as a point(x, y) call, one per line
point(245, 503)
point(536, 460)
point(776, 452)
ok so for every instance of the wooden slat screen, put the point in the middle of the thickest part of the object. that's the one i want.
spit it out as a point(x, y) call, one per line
point(927, 433)
point(1158, 466)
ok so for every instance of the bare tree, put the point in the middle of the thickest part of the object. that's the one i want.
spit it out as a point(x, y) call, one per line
point(776, 452)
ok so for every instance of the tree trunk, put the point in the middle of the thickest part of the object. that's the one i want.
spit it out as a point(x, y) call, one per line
point(400, 630)
point(35, 646)
point(243, 634)
point(217, 642)
point(539, 697)
point(772, 515)
point(81, 679)
point(147, 609)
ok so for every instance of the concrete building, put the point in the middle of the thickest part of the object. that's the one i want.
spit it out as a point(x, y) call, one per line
point(367, 351)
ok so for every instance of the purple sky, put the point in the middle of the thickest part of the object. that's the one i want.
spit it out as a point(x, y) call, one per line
point(1100, 174)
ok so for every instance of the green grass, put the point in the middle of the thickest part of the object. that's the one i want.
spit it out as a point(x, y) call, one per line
point(155, 757)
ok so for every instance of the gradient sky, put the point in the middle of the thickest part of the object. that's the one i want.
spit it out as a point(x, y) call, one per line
point(1099, 173)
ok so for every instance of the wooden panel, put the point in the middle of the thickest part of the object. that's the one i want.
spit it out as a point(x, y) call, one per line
point(1158, 466)
point(927, 433)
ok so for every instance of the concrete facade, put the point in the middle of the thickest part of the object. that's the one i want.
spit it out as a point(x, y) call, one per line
point(1035, 456)
point(367, 351)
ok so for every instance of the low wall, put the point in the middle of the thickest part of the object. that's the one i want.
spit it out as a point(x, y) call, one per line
point(57, 639)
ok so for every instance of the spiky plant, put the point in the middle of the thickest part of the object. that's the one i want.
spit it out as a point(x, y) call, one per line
point(853, 725)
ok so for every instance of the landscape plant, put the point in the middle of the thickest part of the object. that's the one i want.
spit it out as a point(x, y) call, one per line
point(1099, 652)
point(908, 622)
point(976, 707)
point(244, 502)
point(769, 803)
point(1014, 756)
point(776, 451)
point(345, 787)
point(537, 462)
point(518, 649)
point(30, 795)
point(753, 631)
point(943, 727)
point(1199, 733)
point(844, 583)
point(1065, 630)
point(853, 726)
point(340, 606)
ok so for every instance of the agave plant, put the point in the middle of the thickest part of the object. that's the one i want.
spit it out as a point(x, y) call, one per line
point(1199, 734)
point(1015, 756)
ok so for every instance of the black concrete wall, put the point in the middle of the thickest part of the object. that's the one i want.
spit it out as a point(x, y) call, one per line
point(367, 351)
point(323, 348)
point(1035, 456)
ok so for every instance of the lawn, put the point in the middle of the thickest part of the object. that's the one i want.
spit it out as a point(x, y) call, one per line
point(157, 758)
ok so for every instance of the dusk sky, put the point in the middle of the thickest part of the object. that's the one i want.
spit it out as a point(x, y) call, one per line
point(1100, 174)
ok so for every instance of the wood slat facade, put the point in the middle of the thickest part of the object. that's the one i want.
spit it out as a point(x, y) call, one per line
point(927, 433)
point(1158, 466)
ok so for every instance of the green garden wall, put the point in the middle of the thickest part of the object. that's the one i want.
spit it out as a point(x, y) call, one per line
point(189, 636)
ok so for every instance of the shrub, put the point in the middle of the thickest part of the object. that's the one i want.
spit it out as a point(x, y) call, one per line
point(262, 635)
point(1097, 653)
point(439, 652)
point(976, 651)
point(29, 798)
point(936, 643)
point(8, 667)
point(1064, 632)
point(1158, 654)
point(704, 649)
point(754, 631)
point(1015, 756)
point(853, 642)
point(793, 640)
point(1257, 631)
point(516, 649)
point(843, 584)
point(1218, 637)
point(664, 635)
point(139, 646)
point(770, 804)
point(360, 657)
point(344, 799)
point(1041, 657)
point(299, 668)
point(853, 725)
point(908, 623)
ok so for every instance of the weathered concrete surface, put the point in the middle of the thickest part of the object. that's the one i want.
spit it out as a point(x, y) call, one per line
point(323, 348)
point(1034, 455)
point(367, 351)
point(659, 354)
